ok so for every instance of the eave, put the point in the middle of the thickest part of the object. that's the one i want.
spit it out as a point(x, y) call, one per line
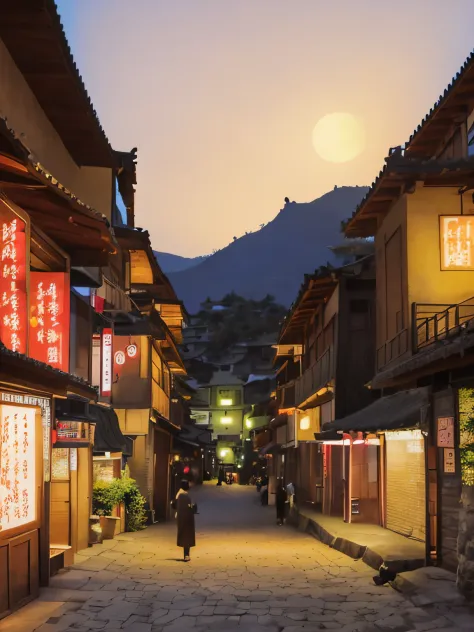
point(33, 34)
point(399, 176)
point(314, 292)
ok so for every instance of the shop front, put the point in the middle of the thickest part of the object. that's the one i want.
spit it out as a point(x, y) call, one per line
point(21, 499)
point(375, 464)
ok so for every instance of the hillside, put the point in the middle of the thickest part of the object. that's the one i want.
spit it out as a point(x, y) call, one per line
point(274, 259)
point(174, 263)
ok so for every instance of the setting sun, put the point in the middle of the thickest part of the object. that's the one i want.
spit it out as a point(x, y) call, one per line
point(339, 137)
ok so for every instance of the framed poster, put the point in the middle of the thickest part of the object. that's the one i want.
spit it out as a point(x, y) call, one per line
point(449, 461)
point(445, 432)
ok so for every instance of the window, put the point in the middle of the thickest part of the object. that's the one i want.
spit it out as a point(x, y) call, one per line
point(470, 141)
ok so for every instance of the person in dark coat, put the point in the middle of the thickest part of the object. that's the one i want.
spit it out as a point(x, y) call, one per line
point(281, 498)
point(185, 511)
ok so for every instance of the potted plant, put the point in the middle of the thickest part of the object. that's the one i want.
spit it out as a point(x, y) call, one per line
point(105, 497)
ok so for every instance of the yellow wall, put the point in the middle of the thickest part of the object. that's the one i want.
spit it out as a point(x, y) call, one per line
point(427, 282)
point(18, 104)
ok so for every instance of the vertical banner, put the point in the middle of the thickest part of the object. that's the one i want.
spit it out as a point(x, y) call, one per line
point(13, 292)
point(49, 318)
point(106, 363)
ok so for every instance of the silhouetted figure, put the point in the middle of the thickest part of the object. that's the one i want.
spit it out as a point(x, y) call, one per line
point(281, 497)
point(185, 510)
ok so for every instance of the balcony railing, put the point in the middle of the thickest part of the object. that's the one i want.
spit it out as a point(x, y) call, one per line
point(286, 396)
point(434, 322)
point(315, 377)
point(392, 349)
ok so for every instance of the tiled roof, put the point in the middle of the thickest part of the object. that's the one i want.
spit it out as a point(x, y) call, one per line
point(465, 75)
point(34, 36)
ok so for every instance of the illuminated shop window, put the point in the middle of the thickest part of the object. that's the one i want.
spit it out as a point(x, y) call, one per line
point(457, 248)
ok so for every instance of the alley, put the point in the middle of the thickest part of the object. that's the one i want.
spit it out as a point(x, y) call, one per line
point(246, 573)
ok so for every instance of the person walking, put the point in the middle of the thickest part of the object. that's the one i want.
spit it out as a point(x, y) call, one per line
point(281, 498)
point(185, 510)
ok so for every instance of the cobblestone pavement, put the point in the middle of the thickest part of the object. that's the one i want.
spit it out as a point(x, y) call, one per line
point(246, 574)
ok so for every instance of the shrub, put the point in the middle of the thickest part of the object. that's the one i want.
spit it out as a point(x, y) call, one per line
point(106, 496)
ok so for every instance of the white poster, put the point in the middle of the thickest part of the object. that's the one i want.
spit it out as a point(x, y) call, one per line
point(73, 457)
point(17, 466)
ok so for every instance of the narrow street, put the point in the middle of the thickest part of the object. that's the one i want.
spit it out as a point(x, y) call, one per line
point(246, 573)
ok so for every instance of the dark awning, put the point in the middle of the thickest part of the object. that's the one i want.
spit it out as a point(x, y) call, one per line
point(405, 409)
point(107, 437)
point(165, 424)
point(72, 409)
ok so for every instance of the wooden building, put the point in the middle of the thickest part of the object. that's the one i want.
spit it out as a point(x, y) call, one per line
point(420, 210)
point(325, 358)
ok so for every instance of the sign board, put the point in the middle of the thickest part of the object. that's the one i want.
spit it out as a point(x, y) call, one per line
point(201, 417)
point(73, 459)
point(445, 432)
point(18, 483)
point(49, 318)
point(45, 405)
point(449, 461)
point(457, 243)
point(106, 363)
point(13, 286)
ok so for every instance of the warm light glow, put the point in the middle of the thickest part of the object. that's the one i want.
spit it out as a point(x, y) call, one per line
point(226, 420)
point(339, 137)
point(224, 453)
point(226, 402)
point(457, 233)
point(305, 423)
point(359, 440)
point(18, 466)
point(248, 423)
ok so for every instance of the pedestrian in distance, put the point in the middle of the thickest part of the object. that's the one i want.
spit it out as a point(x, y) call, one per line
point(281, 498)
point(185, 510)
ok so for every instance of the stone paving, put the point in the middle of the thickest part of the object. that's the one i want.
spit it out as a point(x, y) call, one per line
point(246, 574)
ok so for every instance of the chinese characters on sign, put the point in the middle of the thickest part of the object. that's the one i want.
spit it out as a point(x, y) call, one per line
point(17, 466)
point(106, 381)
point(45, 404)
point(445, 432)
point(457, 246)
point(49, 318)
point(12, 280)
point(449, 461)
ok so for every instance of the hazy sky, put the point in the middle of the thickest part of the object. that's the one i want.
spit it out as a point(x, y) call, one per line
point(221, 97)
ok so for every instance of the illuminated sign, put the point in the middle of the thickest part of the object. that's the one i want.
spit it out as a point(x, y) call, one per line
point(17, 466)
point(120, 358)
point(45, 405)
point(49, 318)
point(13, 296)
point(132, 350)
point(106, 379)
point(457, 242)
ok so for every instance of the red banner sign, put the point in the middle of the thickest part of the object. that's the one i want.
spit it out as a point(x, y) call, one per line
point(49, 318)
point(13, 323)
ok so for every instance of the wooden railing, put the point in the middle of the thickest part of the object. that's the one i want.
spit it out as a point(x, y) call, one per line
point(315, 377)
point(433, 322)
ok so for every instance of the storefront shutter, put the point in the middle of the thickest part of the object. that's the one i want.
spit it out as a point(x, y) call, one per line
point(406, 492)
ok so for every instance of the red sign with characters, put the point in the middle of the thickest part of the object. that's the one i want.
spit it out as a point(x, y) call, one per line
point(13, 323)
point(49, 318)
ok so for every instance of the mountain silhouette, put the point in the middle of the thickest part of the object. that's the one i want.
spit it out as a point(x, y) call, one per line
point(175, 263)
point(274, 259)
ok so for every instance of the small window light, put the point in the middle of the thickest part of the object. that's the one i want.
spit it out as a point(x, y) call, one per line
point(305, 423)
point(226, 402)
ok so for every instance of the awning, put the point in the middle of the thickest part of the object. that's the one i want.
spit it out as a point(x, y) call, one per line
point(405, 409)
point(107, 437)
point(72, 409)
point(165, 424)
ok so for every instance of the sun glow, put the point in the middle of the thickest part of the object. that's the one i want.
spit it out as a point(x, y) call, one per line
point(339, 137)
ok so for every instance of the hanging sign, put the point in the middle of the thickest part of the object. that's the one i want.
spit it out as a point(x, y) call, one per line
point(445, 434)
point(106, 378)
point(49, 318)
point(13, 293)
point(449, 461)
